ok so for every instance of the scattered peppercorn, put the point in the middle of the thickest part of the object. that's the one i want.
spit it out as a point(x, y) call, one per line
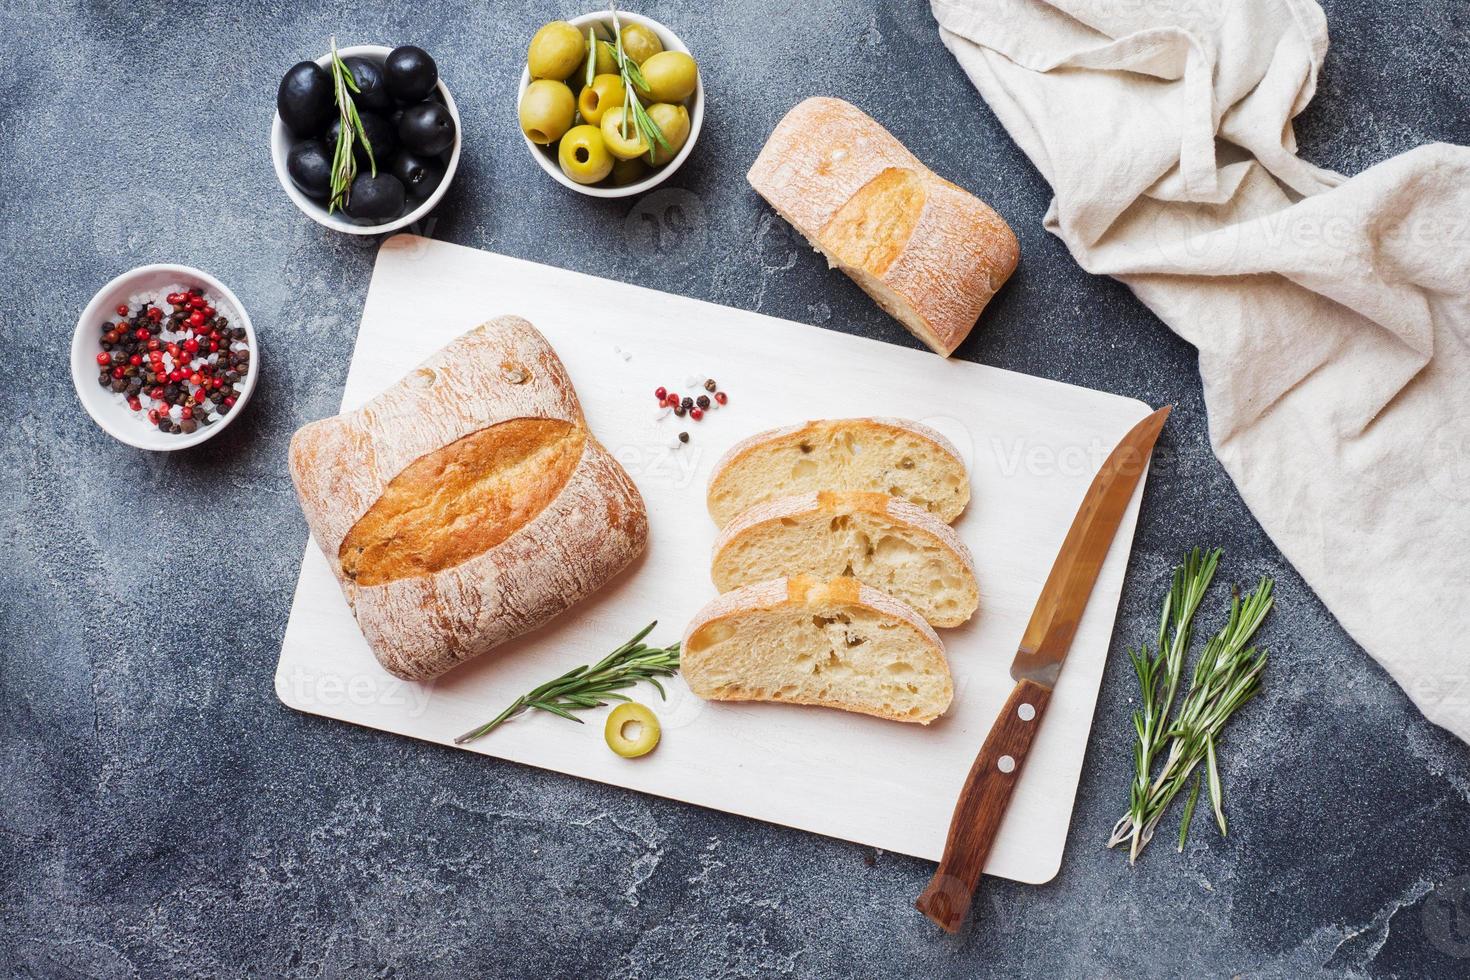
point(709, 384)
point(696, 413)
point(660, 392)
point(702, 401)
point(721, 397)
point(683, 437)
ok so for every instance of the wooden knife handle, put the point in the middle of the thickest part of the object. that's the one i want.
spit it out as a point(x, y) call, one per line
point(982, 806)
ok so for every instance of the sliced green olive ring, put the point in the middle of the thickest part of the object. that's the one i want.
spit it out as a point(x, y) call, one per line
point(631, 730)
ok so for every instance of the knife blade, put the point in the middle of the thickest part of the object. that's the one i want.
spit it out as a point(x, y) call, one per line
point(1043, 649)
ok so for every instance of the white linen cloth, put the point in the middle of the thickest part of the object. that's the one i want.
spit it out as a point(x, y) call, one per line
point(1331, 314)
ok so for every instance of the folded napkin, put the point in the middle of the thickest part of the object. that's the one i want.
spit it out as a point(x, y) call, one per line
point(1331, 314)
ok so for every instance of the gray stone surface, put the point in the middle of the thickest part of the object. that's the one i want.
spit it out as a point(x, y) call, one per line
point(164, 815)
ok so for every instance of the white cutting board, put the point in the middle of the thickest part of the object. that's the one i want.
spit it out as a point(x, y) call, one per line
point(1032, 446)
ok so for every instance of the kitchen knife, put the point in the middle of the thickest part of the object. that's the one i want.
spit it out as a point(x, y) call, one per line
point(987, 790)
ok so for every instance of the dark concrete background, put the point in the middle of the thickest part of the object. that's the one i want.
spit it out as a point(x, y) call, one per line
point(164, 815)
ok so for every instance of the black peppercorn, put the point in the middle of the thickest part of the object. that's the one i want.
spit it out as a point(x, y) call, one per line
point(683, 437)
point(679, 410)
point(709, 384)
point(702, 401)
point(687, 403)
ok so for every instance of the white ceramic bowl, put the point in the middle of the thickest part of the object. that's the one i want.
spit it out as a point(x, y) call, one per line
point(546, 155)
point(108, 408)
point(281, 140)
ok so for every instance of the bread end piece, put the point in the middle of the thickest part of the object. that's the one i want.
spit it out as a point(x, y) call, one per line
point(930, 253)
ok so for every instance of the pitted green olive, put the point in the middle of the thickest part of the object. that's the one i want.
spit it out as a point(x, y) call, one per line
point(620, 146)
point(631, 730)
point(546, 111)
point(583, 155)
point(605, 92)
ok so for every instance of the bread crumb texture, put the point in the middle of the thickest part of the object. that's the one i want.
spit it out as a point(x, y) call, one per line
point(886, 543)
point(892, 457)
point(836, 644)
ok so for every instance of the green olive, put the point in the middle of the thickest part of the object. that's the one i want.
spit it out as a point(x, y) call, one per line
point(607, 64)
point(640, 43)
point(631, 730)
point(583, 155)
point(620, 146)
point(546, 110)
point(671, 76)
point(605, 92)
point(556, 51)
point(673, 122)
point(627, 172)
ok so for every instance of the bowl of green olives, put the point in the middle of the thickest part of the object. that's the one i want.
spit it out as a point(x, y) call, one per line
point(406, 114)
point(572, 113)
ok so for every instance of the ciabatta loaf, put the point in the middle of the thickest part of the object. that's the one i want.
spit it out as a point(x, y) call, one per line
point(931, 254)
point(893, 456)
point(468, 503)
point(839, 644)
point(884, 542)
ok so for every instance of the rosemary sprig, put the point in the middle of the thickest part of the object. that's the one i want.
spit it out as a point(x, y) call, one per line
point(585, 687)
point(1159, 673)
point(344, 162)
point(633, 111)
point(1226, 676)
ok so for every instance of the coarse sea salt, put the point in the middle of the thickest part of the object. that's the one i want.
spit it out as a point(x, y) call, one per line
point(222, 307)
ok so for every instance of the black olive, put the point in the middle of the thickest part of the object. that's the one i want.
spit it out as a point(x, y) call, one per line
point(304, 99)
point(420, 175)
point(310, 165)
point(372, 92)
point(377, 198)
point(410, 73)
point(427, 128)
point(379, 133)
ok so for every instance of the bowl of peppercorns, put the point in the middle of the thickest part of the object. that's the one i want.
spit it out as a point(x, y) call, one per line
point(164, 357)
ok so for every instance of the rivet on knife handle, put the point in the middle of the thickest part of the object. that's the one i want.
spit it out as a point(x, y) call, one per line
point(1038, 663)
point(982, 806)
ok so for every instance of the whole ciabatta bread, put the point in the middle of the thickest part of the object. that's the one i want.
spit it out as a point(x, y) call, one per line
point(837, 643)
point(880, 540)
point(932, 254)
point(899, 457)
point(468, 503)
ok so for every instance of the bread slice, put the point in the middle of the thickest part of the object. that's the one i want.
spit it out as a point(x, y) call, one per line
point(838, 644)
point(883, 542)
point(931, 254)
point(900, 458)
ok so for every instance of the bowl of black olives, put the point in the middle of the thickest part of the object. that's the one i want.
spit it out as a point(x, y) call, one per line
point(398, 105)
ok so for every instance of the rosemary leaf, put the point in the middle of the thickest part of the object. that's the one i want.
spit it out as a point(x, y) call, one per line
point(1217, 794)
point(591, 73)
point(1188, 814)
